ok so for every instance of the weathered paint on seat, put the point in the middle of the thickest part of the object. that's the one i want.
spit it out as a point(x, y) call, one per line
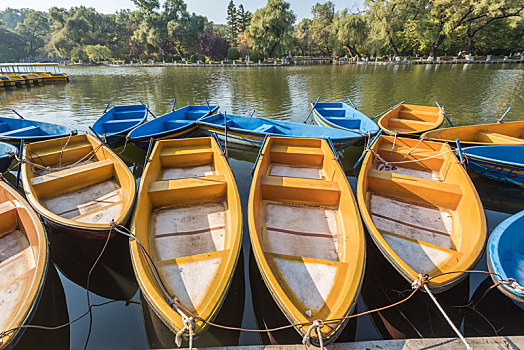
point(306, 232)
point(424, 215)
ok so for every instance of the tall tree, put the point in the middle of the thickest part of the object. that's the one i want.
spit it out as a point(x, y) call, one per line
point(211, 45)
point(351, 31)
point(322, 30)
point(33, 30)
point(244, 19)
point(232, 22)
point(271, 28)
point(302, 36)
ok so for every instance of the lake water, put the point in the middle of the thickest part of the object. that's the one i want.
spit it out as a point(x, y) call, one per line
point(469, 93)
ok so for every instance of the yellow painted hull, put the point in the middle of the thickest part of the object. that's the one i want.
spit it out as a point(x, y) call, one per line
point(24, 265)
point(424, 215)
point(306, 233)
point(510, 133)
point(188, 217)
point(88, 188)
point(409, 120)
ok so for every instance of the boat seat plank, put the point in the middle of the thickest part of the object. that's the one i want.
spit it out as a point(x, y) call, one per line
point(492, 137)
point(306, 156)
point(410, 122)
point(71, 179)
point(265, 128)
point(186, 231)
point(309, 232)
point(27, 131)
point(300, 190)
point(8, 218)
point(101, 212)
point(123, 121)
point(87, 199)
point(415, 190)
point(70, 153)
point(295, 171)
point(182, 173)
point(187, 190)
point(189, 156)
point(413, 221)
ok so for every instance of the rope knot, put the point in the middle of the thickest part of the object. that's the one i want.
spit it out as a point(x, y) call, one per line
point(188, 326)
point(420, 281)
point(317, 326)
point(513, 284)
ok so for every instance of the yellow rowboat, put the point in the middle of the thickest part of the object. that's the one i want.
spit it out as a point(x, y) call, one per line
point(422, 212)
point(411, 120)
point(23, 263)
point(7, 81)
point(78, 185)
point(511, 133)
point(306, 233)
point(188, 218)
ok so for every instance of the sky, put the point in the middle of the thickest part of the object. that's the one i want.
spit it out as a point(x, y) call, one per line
point(214, 10)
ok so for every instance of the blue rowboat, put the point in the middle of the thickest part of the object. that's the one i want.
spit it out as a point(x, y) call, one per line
point(500, 163)
point(506, 257)
point(251, 131)
point(14, 130)
point(7, 153)
point(177, 124)
point(342, 116)
point(114, 125)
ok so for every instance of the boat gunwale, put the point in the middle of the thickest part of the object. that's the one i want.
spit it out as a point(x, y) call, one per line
point(388, 131)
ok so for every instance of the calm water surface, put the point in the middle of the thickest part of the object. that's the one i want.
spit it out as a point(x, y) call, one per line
point(470, 94)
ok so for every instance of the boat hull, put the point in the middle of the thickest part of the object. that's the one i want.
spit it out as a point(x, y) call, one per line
point(143, 142)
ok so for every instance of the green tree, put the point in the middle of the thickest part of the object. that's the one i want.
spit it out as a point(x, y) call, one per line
point(302, 36)
point(271, 28)
point(98, 52)
point(232, 21)
point(351, 31)
point(322, 27)
point(244, 19)
point(33, 30)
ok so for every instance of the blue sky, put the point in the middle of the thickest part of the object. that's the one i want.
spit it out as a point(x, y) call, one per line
point(215, 10)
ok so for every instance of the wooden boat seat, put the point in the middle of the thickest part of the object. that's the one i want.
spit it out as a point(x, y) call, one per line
point(72, 179)
point(350, 123)
point(27, 131)
point(285, 154)
point(122, 121)
point(189, 156)
point(486, 136)
point(414, 189)
point(187, 191)
point(409, 122)
point(265, 128)
point(70, 153)
point(300, 190)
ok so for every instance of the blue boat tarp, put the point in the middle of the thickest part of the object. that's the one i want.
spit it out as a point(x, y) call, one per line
point(503, 163)
point(14, 130)
point(177, 124)
point(7, 153)
point(252, 130)
point(117, 122)
point(506, 256)
point(342, 116)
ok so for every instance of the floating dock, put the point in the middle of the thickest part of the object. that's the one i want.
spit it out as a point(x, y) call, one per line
point(20, 75)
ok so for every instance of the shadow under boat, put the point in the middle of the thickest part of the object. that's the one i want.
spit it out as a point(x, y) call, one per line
point(498, 196)
point(159, 336)
point(416, 318)
point(268, 315)
point(51, 312)
point(113, 276)
point(491, 313)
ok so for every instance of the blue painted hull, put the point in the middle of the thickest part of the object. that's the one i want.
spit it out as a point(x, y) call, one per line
point(177, 124)
point(13, 130)
point(251, 131)
point(506, 255)
point(7, 154)
point(343, 117)
point(499, 163)
point(114, 125)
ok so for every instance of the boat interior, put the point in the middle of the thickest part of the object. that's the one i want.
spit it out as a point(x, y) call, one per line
point(87, 184)
point(412, 118)
point(416, 206)
point(190, 214)
point(8, 129)
point(510, 133)
point(252, 124)
point(121, 118)
point(336, 113)
point(20, 256)
point(303, 227)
